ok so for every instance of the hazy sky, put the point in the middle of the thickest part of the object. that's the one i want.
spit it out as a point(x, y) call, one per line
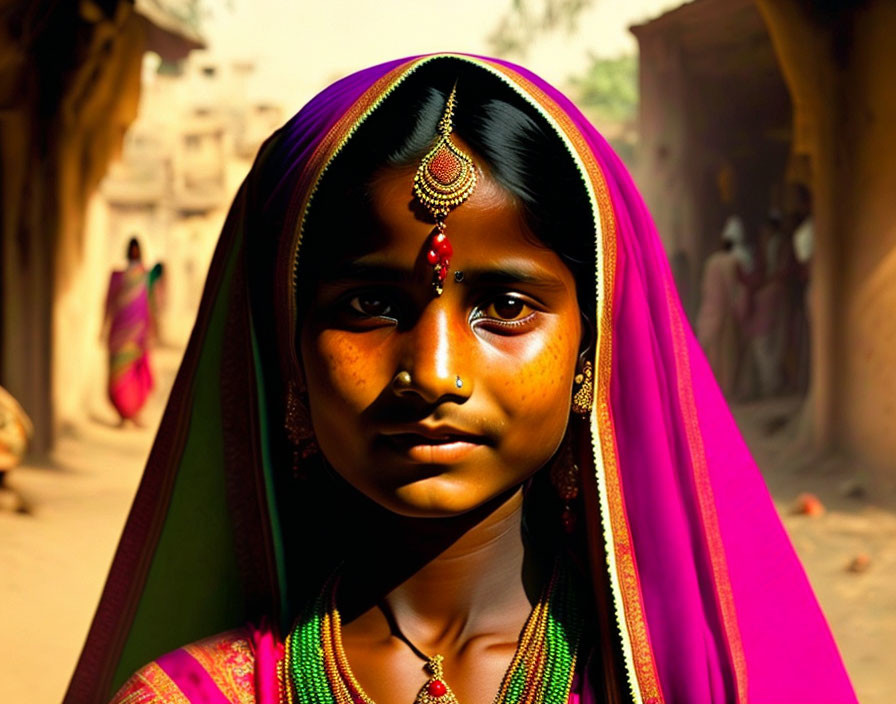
point(299, 46)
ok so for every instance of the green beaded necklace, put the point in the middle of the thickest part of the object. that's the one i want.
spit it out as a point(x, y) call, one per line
point(316, 671)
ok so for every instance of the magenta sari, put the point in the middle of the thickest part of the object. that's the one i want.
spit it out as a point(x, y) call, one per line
point(127, 309)
point(705, 601)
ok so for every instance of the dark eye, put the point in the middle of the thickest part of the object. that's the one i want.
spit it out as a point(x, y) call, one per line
point(507, 308)
point(371, 305)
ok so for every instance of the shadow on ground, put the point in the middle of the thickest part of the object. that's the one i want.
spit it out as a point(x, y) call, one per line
point(846, 541)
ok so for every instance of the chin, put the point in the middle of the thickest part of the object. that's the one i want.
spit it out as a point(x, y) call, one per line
point(437, 497)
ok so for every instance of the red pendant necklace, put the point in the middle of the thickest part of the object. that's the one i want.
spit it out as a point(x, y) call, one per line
point(315, 669)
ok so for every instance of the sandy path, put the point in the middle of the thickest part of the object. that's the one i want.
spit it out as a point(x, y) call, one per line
point(53, 561)
point(859, 518)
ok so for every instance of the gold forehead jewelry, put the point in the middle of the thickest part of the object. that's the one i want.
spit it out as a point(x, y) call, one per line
point(445, 178)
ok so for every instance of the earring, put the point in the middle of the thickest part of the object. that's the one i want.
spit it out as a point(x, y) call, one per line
point(565, 478)
point(583, 398)
point(298, 427)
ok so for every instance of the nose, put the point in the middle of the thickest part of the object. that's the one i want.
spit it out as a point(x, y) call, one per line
point(433, 361)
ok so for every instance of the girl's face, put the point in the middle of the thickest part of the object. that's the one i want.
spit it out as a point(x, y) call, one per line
point(491, 360)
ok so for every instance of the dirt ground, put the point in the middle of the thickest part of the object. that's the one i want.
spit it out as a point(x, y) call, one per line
point(849, 551)
point(54, 556)
point(55, 550)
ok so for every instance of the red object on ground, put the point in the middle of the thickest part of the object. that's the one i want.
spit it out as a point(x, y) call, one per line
point(809, 505)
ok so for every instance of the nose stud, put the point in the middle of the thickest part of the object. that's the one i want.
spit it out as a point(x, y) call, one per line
point(402, 380)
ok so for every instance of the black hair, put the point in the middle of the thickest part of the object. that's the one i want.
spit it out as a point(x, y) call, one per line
point(521, 150)
point(133, 246)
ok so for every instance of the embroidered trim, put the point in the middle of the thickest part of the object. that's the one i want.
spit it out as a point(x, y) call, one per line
point(706, 501)
point(230, 663)
point(149, 685)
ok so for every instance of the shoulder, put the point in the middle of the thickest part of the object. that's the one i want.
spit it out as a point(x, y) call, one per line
point(202, 671)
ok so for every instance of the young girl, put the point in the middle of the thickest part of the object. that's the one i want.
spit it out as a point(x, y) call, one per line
point(442, 434)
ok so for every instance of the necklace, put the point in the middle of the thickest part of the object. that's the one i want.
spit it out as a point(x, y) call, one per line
point(315, 670)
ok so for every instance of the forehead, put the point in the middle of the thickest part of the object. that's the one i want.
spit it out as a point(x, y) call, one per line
point(489, 225)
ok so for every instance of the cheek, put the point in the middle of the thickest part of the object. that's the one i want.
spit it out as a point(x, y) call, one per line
point(535, 392)
point(340, 374)
point(537, 369)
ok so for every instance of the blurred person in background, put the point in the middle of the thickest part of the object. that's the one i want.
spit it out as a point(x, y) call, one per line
point(767, 324)
point(802, 245)
point(127, 331)
point(157, 289)
point(724, 302)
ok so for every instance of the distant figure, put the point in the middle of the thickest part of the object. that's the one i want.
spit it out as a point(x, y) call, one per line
point(768, 318)
point(157, 295)
point(723, 303)
point(129, 323)
point(804, 240)
point(803, 246)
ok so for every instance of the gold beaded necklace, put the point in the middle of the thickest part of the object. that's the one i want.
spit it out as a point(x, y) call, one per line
point(315, 669)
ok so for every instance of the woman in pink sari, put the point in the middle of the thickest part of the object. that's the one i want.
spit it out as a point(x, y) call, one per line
point(442, 434)
point(128, 321)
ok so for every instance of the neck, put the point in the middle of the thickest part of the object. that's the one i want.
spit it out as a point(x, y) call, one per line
point(443, 579)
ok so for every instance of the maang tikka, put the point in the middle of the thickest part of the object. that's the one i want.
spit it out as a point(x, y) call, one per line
point(445, 178)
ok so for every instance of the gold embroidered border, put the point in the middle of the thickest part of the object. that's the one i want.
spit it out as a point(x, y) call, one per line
point(627, 569)
point(149, 685)
point(706, 500)
point(228, 660)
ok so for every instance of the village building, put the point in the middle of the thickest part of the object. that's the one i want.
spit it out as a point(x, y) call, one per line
point(70, 76)
point(740, 101)
point(134, 133)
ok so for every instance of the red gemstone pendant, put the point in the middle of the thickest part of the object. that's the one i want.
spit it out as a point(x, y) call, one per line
point(435, 691)
point(439, 258)
point(436, 688)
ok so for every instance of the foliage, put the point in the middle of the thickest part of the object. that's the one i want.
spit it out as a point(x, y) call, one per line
point(610, 88)
point(526, 20)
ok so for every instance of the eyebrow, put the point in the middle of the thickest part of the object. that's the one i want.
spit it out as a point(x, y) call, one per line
point(501, 274)
point(355, 270)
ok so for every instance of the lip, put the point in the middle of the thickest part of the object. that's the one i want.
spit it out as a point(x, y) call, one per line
point(433, 444)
